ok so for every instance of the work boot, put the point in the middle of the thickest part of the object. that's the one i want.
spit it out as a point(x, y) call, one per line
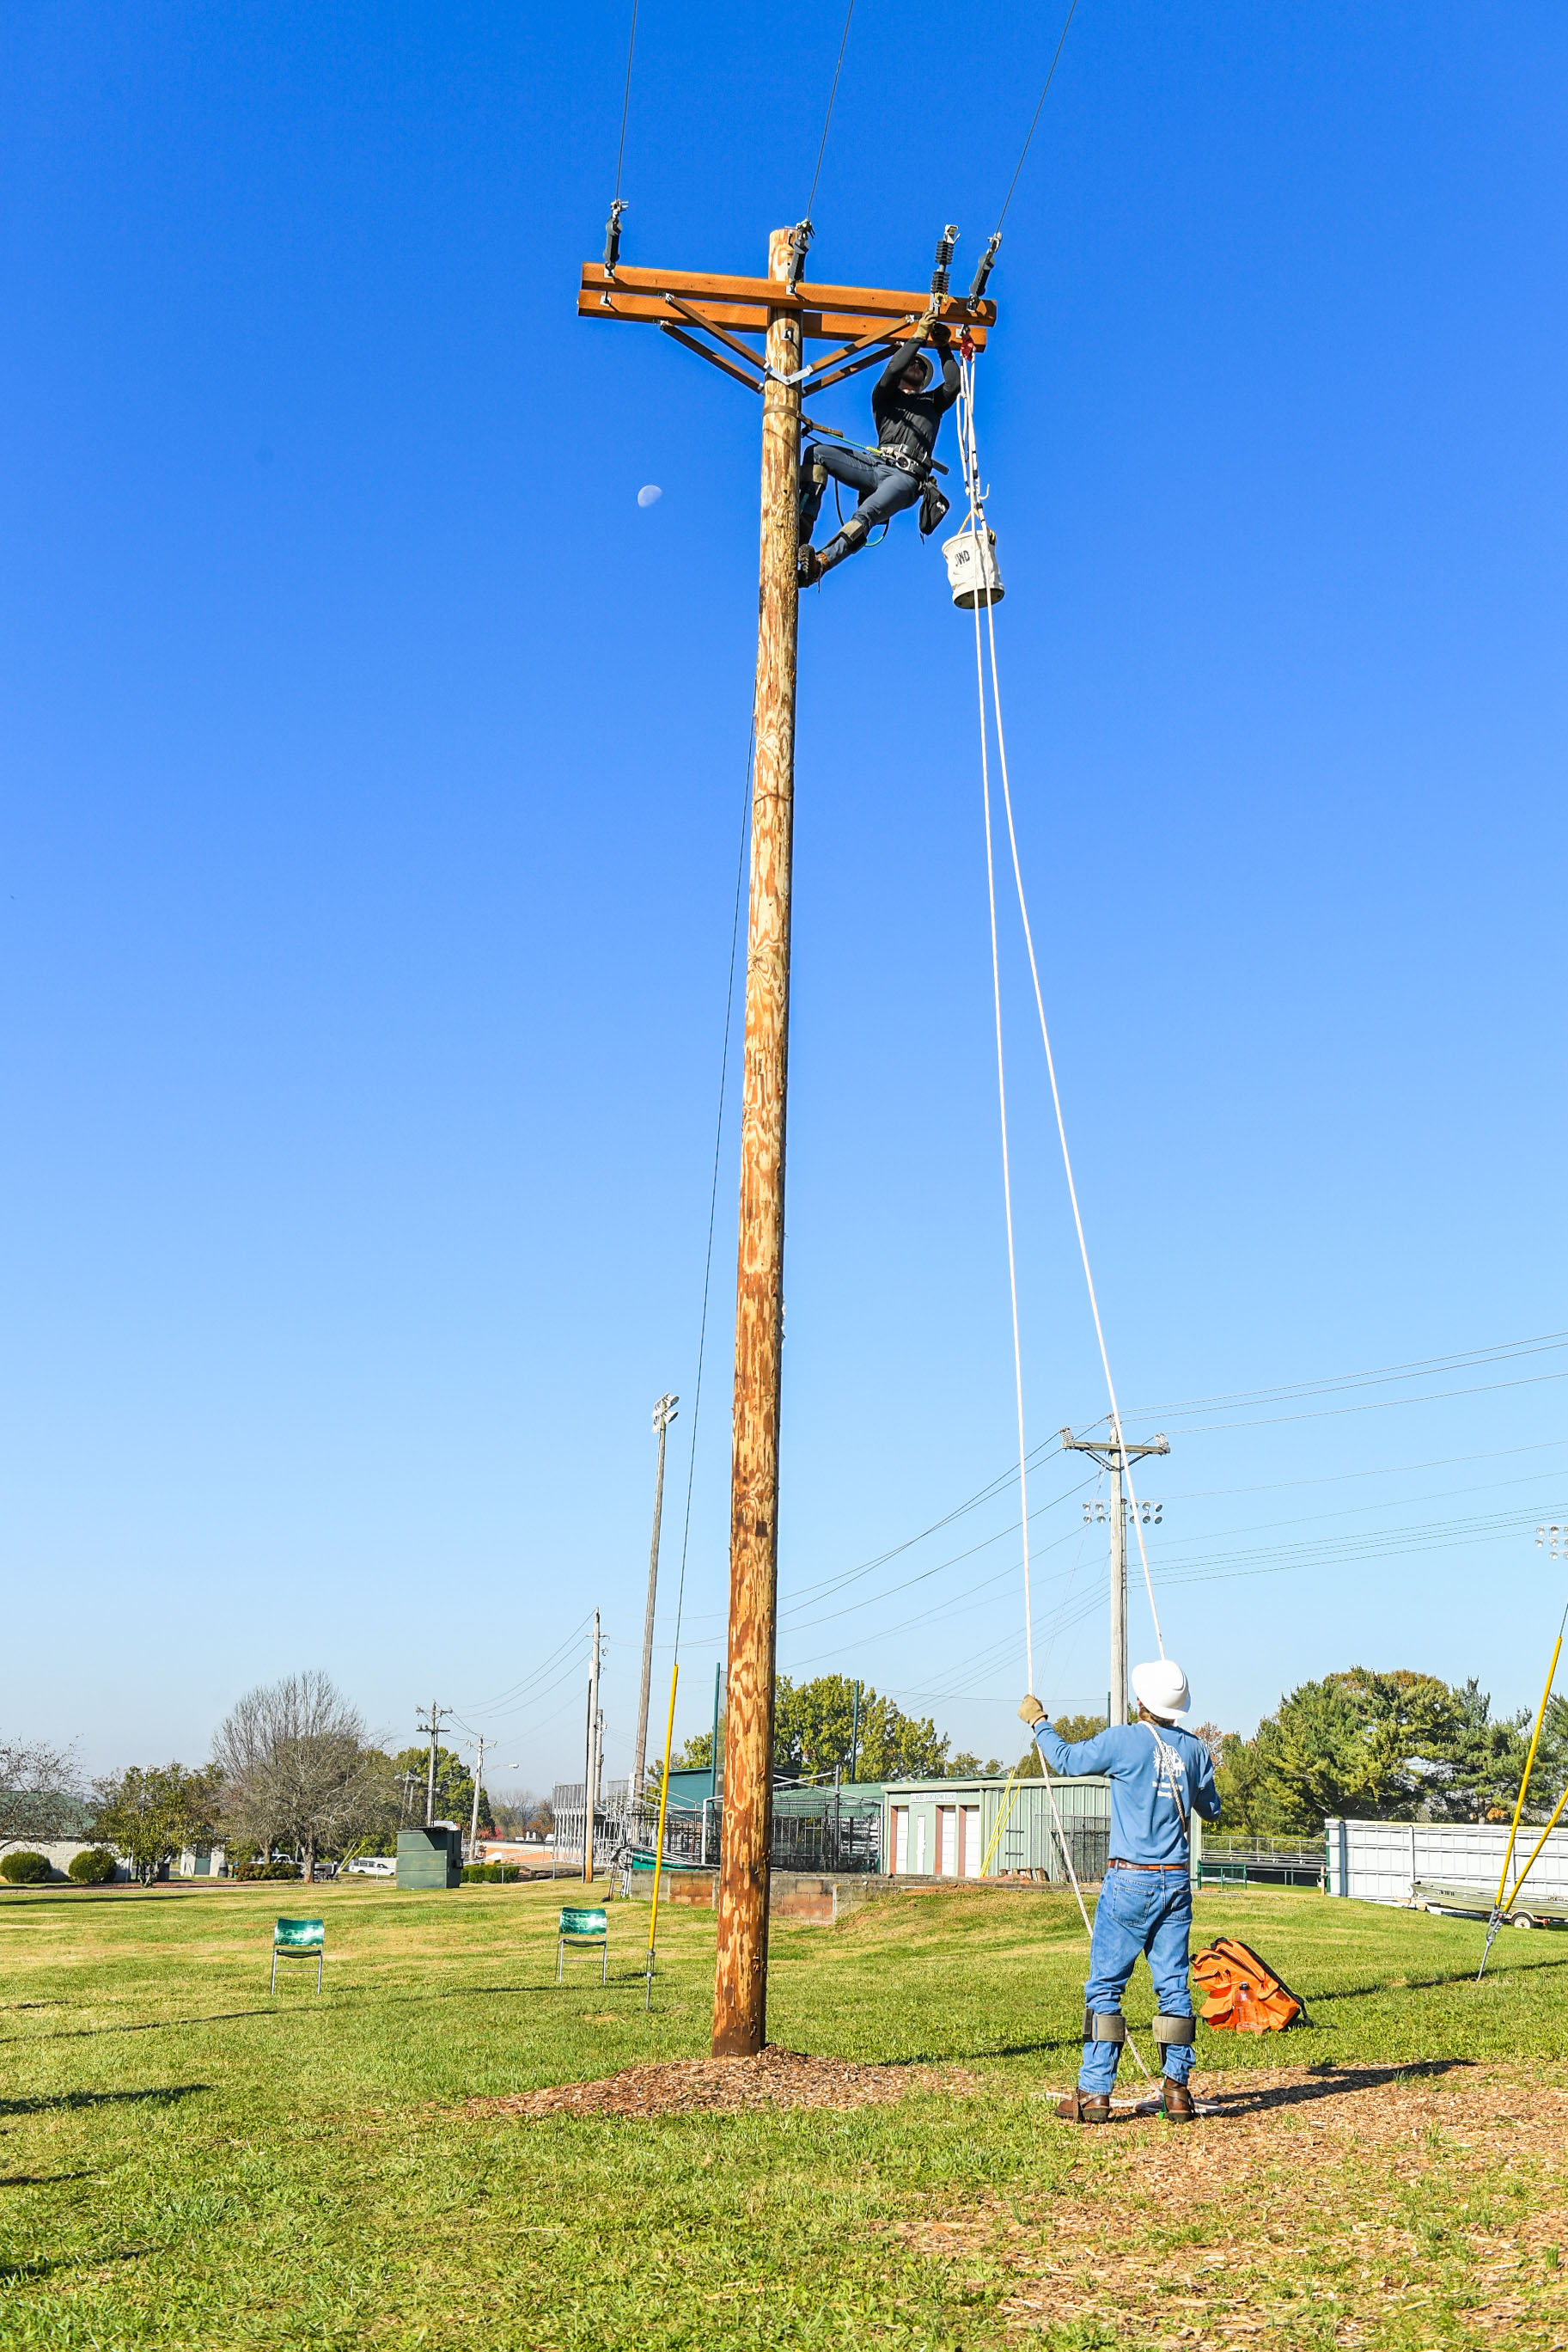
point(1176, 2101)
point(1084, 2108)
point(809, 568)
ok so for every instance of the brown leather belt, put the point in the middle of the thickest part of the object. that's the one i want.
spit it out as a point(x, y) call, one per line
point(1116, 1863)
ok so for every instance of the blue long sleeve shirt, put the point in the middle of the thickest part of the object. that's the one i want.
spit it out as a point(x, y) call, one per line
point(1145, 1823)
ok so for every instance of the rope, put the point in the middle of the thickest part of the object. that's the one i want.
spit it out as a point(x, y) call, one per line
point(1006, 1173)
point(838, 69)
point(976, 522)
point(1050, 78)
point(626, 100)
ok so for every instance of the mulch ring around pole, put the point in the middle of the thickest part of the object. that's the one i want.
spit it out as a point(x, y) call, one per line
point(775, 2078)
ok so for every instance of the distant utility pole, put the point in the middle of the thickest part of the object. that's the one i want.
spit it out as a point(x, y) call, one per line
point(478, 1783)
point(590, 1759)
point(438, 1715)
point(1116, 1458)
point(855, 1733)
point(663, 1413)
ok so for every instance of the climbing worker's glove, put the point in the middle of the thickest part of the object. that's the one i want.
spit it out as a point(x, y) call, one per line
point(1031, 1712)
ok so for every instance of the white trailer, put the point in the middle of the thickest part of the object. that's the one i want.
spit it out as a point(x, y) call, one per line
point(1445, 1866)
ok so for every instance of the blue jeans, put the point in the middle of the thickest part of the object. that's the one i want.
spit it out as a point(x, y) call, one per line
point(1138, 1911)
point(883, 491)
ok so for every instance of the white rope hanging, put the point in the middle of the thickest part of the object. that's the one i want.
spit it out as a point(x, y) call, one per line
point(969, 452)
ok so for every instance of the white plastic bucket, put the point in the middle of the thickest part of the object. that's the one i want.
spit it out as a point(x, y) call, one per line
point(972, 570)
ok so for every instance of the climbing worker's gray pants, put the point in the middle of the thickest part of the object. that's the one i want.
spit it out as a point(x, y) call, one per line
point(883, 491)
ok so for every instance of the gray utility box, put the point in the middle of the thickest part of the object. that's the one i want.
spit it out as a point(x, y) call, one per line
point(431, 1857)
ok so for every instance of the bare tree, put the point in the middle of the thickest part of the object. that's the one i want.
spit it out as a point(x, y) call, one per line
point(40, 1794)
point(298, 1770)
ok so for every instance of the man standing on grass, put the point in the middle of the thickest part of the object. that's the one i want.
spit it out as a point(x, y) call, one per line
point(1159, 1776)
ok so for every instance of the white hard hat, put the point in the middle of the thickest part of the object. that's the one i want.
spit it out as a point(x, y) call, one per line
point(1161, 1687)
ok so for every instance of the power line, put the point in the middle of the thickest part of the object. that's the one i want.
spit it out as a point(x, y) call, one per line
point(625, 103)
point(1050, 78)
point(838, 69)
point(1418, 1367)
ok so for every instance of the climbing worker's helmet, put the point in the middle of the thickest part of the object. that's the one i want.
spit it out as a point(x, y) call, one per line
point(920, 369)
point(1161, 1686)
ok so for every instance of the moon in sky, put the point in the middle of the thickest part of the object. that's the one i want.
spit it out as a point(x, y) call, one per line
point(649, 495)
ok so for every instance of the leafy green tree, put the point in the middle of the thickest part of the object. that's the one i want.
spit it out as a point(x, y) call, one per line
point(149, 1816)
point(812, 1728)
point(1382, 1746)
point(454, 1787)
point(967, 1767)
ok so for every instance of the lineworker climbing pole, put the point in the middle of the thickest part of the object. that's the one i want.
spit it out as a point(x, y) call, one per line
point(901, 468)
point(1158, 1776)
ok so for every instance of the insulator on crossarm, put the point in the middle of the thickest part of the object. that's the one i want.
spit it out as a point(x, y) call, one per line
point(945, 244)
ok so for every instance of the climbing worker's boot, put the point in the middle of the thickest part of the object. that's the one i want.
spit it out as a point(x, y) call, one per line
point(853, 537)
point(1084, 2108)
point(809, 568)
point(1176, 2104)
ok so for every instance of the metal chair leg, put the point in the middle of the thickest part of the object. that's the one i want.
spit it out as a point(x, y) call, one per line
point(273, 1986)
point(319, 1957)
point(559, 1956)
point(604, 1966)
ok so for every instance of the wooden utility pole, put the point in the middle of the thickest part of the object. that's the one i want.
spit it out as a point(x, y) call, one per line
point(709, 315)
point(740, 1982)
point(1114, 1458)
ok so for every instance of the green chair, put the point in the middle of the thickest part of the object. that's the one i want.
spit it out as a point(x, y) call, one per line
point(297, 1939)
point(583, 1931)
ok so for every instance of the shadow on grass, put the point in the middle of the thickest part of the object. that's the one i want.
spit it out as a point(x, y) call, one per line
point(1329, 2081)
point(41, 2180)
point(1433, 1984)
point(63, 2102)
point(150, 2025)
point(13, 2273)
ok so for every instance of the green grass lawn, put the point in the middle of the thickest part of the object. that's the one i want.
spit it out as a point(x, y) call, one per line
point(187, 2160)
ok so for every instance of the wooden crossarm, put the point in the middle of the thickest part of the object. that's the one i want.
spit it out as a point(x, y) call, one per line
point(827, 313)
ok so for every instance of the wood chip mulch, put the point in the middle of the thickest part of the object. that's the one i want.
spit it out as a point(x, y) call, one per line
point(775, 2078)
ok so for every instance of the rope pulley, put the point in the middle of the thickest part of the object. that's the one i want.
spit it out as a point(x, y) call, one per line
point(945, 244)
point(612, 236)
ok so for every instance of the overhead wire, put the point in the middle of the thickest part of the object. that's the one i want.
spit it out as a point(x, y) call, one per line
point(823, 147)
point(625, 103)
point(1044, 94)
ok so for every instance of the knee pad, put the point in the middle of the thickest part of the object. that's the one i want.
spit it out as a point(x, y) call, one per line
point(1104, 2025)
point(1177, 2031)
point(813, 473)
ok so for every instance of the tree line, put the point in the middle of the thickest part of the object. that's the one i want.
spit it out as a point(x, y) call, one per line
point(294, 1780)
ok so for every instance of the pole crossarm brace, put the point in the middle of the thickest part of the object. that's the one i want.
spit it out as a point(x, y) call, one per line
point(866, 323)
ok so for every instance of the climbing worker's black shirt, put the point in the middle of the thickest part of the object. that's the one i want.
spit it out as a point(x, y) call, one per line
point(910, 420)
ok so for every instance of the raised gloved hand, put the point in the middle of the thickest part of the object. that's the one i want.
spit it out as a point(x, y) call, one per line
point(1031, 1712)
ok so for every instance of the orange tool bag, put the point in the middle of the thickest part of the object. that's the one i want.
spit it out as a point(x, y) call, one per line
point(1242, 1994)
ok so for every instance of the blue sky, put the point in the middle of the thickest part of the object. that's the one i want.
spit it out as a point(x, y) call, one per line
point(373, 773)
